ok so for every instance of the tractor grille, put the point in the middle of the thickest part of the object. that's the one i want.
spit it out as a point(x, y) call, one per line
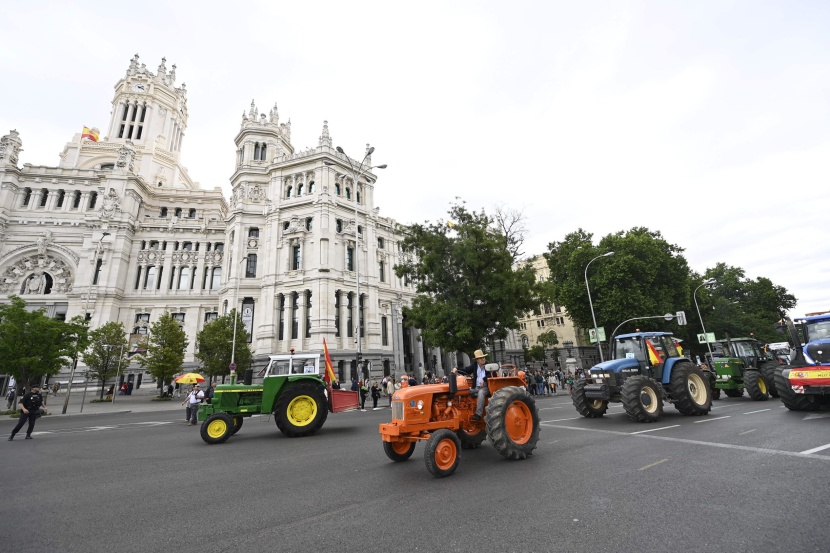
point(397, 410)
point(597, 391)
point(819, 352)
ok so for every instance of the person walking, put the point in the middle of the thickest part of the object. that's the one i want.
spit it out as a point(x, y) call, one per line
point(552, 382)
point(10, 397)
point(390, 389)
point(375, 394)
point(30, 405)
point(211, 391)
point(364, 392)
point(193, 399)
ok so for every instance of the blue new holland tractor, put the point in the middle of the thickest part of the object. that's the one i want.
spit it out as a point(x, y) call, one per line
point(644, 372)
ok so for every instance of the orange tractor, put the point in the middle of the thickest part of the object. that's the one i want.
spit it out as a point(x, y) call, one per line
point(442, 416)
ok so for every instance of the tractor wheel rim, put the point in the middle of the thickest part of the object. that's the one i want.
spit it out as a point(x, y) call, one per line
point(400, 447)
point(697, 389)
point(518, 422)
point(762, 385)
point(302, 410)
point(596, 404)
point(217, 428)
point(647, 393)
point(445, 454)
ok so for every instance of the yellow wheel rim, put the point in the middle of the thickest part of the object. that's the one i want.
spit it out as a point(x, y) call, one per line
point(217, 428)
point(596, 404)
point(302, 410)
point(762, 385)
point(697, 389)
point(652, 397)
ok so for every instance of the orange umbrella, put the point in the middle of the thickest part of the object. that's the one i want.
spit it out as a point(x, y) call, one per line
point(189, 378)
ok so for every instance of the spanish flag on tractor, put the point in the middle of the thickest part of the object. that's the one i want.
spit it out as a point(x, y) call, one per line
point(90, 134)
point(653, 354)
point(329, 374)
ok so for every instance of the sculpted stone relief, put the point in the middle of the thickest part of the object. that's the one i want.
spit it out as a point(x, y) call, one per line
point(36, 275)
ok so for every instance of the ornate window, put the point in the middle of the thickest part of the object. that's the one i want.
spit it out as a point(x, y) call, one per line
point(250, 266)
point(296, 258)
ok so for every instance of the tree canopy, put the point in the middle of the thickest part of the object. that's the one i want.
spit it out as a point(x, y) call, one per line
point(107, 351)
point(471, 288)
point(165, 346)
point(214, 346)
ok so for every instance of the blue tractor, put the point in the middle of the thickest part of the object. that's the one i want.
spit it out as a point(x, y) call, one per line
point(645, 371)
point(804, 383)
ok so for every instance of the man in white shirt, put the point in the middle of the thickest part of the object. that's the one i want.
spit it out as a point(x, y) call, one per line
point(193, 399)
point(479, 389)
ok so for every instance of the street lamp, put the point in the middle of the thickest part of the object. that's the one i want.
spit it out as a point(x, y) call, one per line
point(591, 303)
point(118, 370)
point(94, 272)
point(709, 282)
point(235, 311)
point(356, 179)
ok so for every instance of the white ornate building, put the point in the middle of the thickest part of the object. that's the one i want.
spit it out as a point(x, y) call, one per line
point(120, 232)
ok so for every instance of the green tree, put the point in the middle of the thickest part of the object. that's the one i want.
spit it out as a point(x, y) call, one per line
point(471, 288)
point(214, 346)
point(164, 349)
point(106, 344)
point(548, 339)
point(32, 345)
point(646, 276)
point(535, 353)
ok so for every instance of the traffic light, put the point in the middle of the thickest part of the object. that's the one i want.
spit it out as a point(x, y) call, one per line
point(681, 317)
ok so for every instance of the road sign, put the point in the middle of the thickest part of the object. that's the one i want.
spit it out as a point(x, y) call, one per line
point(593, 335)
point(233, 366)
point(708, 337)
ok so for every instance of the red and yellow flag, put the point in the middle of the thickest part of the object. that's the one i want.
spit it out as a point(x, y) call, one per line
point(89, 134)
point(329, 374)
point(653, 354)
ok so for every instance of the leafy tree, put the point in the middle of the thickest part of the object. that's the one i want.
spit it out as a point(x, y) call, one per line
point(470, 288)
point(32, 345)
point(214, 346)
point(535, 353)
point(548, 339)
point(165, 348)
point(107, 343)
point(646, 276)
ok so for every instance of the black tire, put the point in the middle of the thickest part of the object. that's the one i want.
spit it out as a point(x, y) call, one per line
point(217, 428)
point(768, 370)
point(690, 390)
point(792, 400)
point(734, 393)
point(442, 453)
point(308, 410)
point(472, 436)
point(756, 385)
point(237, 424)
point(641, 399)
point(398, 451)
point(716, 393)
point(591, 408)
point(513, 422)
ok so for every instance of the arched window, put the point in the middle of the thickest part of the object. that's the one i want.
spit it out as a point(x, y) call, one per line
point(150, 278)
point(295, 323)
point(61, 197)
point(253, 232)
point(359, 197)
point(348, 193)
point(338, 225)
point(256, 151)
point(163, 212)
point(178, 212)
point(299, 189)
point(191, 213)
point(288, 191)
point(76, 200)
point(262, 151)
point(216, 279)
point(337, 189)
point(44, 195)
point(93, 198)
point(311, 187)
point(308, 223)
point(308, 313)
point(184, 278)
point(27, 195)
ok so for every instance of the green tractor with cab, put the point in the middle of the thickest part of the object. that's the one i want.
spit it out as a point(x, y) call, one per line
point(741, 363)
point(292, 389)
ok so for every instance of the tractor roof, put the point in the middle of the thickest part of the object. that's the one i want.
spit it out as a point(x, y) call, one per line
point(643, 335)
point(813, 318)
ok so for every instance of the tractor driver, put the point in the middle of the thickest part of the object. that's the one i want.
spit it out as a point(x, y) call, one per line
point(479, 374)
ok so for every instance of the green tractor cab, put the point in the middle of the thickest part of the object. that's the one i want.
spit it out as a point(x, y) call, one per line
point(741, 363)
point(292, 388)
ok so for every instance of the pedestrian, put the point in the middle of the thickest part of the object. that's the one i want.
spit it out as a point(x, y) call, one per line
point(364, 392)
point(552, 382)
point(413, 381)
point(540, 384)
point(10, 397)
point(390, 389)
point(570, 381)
point(375, 394)
point(123, 390)
point(335, 385)
point(31, 408)
point(193, 399)
point(169, 390)
point(354, 385)
point(211, 391)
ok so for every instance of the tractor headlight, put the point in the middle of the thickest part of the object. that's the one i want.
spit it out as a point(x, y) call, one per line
point(420, 404)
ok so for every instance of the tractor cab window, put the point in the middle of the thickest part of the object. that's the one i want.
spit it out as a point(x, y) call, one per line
point(816, 330)
point(309, 367)
point(277, 368)
point(629, 348)
point(745, 351)
point(660, 348)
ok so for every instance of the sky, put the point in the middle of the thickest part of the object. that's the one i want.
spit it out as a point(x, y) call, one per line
point(704, 120)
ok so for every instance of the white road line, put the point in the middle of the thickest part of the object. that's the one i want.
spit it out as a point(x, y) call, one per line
point(559, 420)
point(815, 449)
point(655, 429)
point(653, 464)
point(544, 408)
point(715, 419)
point(697, 442)
point(747, 432)
point(758, 411)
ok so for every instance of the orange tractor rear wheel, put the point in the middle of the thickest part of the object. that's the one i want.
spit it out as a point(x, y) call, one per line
point(513, 422)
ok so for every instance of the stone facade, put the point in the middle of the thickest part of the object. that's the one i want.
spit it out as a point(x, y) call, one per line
point(118, 231)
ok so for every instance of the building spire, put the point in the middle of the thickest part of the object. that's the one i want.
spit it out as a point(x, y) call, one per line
point(325, 139)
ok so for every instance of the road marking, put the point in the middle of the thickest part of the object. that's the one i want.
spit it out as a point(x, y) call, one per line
point(810, 417)
point(544, 408)
point(655, 429)
point(559, 420)
point(653, 464)
point(747, 432)
point(552, 442)
point(697, 442)
point(815, 449)
point(729, 406)
point(758, 411)
point(715, 419)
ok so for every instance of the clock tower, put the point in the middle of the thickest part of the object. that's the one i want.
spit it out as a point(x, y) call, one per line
point(148, 121)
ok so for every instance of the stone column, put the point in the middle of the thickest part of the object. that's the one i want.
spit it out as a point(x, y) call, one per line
point(344, 319)
point(167, 264)
point(289, 321)
point(301, 302)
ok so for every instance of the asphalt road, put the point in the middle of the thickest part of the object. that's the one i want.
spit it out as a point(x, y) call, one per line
point(749, 477)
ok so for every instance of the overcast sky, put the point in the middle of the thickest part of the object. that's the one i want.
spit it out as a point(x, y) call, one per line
point(705, 120)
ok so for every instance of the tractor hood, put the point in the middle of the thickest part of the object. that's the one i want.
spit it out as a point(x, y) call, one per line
point(616, 365)
point(817, 352)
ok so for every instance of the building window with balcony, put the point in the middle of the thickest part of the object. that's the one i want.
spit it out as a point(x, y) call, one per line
point(250, 266)
point(381, 271)
point(211, 316)
point(308, 313)
point(216, 278)
point(253, 232)
point(350, 259)
point(178, 317)
point(296, 259)
point(384, 332)
point(295, 322)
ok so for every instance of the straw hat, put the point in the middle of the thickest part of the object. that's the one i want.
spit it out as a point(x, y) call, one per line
point(478, 354)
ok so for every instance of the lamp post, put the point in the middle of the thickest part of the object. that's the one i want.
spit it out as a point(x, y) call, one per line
point(709, 282)
point(118, 370)
point(591, 303)
point(94, 272)
point(356, 179)
point(71, 376)
point(235, 311)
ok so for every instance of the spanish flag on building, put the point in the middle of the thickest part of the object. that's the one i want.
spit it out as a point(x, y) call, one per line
point(329, 376)
point(90, 134)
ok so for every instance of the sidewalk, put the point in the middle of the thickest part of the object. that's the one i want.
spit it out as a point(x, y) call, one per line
point(141, 401)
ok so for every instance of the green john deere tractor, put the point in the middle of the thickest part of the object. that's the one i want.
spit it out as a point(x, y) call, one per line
point(292, 388)
point(741, 363)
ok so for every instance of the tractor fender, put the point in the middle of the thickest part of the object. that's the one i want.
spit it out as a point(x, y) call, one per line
point(670, 363)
